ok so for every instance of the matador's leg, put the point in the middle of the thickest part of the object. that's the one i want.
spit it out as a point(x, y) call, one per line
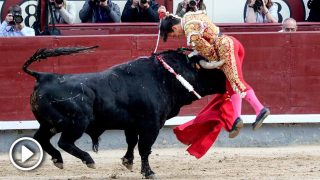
point(233, 71)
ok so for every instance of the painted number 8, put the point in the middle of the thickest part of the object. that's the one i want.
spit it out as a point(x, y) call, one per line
point(29, 15)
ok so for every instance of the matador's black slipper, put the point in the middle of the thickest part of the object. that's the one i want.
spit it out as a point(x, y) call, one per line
point(260, 118)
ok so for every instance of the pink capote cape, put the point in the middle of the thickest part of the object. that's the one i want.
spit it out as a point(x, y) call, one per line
point(201, 132)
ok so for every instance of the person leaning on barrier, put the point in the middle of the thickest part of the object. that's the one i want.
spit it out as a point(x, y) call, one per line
point(289, 25)
point(261, 11)
point(64, 12)
point(314, 14)
point(140, 11)
point(13, 25)
point(99, 11)
point(189, 5)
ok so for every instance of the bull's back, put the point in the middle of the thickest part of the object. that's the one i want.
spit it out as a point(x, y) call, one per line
point(117, 97)
point(132, 91)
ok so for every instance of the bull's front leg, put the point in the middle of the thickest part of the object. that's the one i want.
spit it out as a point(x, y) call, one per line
point(146, 169)
point(146, 139)
point(132, 140)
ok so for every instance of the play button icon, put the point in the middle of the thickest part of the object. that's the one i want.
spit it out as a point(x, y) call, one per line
point(26, 154)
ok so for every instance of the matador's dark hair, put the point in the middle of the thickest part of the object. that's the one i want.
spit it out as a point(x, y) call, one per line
point(166, 26)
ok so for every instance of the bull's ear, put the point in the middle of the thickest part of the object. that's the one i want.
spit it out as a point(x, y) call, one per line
point(197, 66)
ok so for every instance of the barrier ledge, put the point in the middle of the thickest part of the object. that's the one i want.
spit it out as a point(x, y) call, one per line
point(178, 120)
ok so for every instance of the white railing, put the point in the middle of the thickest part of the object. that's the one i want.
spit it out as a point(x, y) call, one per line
point(248, 119)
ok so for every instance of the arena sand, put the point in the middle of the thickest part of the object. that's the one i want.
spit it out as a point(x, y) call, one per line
point(293, 162)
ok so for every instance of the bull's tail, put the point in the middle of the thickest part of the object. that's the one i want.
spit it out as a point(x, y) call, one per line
point(45, 53)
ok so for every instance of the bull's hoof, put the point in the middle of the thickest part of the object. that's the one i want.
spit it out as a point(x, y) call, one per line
point(127, 163)
point(91, 165)
point(128, 166)
point(150, 176)
point(59, 165)
point(95, 148)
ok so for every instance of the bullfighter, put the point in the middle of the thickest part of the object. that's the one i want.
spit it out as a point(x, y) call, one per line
point(221, 51)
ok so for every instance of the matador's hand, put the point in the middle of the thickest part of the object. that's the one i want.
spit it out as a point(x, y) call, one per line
point(211, 65)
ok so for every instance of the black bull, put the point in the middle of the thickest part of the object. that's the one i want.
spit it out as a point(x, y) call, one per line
point(137, 97)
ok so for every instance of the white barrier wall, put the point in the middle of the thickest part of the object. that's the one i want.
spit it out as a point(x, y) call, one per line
point(178, 120)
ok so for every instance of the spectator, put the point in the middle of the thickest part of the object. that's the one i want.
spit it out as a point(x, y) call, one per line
point(13, 25)
point(188, 5)
point(99, 11)
point(64, 12)
point(314, 14)
point(140, 11)
point(289, 25)
point(261, 11)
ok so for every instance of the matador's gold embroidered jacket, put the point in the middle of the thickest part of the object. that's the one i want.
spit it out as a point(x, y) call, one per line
point(203, 36)
point(201, 33)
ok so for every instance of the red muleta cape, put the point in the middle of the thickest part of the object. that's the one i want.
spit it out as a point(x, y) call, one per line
point(201, 132)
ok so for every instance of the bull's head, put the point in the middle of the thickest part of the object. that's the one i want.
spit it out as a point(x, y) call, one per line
point(210, 81)
point(204, 81)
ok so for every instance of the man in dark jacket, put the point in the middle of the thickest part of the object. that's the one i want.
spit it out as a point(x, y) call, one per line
point(140, 11)
point(99, 11)
point(314, 14)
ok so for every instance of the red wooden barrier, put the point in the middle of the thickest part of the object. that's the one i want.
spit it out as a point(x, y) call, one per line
point(152, 28)
point(283, 68)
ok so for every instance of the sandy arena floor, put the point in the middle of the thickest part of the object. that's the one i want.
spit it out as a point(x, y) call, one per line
point(298, 162)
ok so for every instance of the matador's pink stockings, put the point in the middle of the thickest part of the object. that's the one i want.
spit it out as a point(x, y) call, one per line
point(236, 103)
point(251, 98)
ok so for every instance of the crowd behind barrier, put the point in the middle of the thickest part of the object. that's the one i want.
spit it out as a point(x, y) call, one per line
point(78, 10)
point(262, 11)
